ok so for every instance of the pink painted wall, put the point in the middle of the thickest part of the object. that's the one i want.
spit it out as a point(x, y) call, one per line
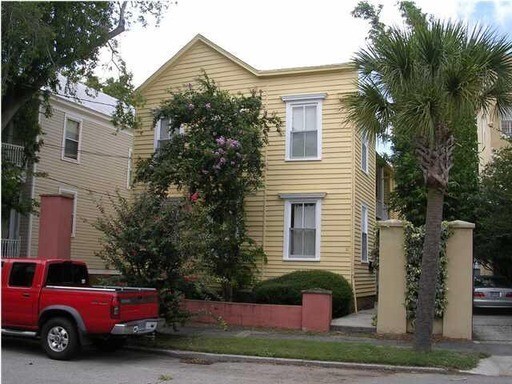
point(315, 314)
point(55, 227)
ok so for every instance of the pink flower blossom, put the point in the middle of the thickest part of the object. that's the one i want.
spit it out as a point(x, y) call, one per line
point(207, 105)
point(194, 197)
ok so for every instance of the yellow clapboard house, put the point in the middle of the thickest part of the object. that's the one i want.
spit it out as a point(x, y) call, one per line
point(330, 185)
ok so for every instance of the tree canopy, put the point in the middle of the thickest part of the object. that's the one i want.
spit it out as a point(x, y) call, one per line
point(493, 235)
point(42, 39)
point(214, 155)
point(418, 81)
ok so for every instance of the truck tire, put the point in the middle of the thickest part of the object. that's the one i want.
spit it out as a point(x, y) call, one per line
point(59, 338)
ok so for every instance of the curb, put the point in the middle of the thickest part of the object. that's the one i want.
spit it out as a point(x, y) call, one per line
point(213, 357)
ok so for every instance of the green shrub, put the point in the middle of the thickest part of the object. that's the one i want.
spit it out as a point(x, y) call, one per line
point(287, 289)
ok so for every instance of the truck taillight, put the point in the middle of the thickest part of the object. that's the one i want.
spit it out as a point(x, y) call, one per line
point(115, 310)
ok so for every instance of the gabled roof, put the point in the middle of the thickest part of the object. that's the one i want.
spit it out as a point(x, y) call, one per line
point(266, 73)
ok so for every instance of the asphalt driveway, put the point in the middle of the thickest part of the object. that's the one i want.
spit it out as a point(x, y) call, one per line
point(492, 325)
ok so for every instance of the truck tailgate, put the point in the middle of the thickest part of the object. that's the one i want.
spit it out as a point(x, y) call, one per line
point(138, 305)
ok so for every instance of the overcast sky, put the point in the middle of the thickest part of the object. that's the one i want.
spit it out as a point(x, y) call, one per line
point(271, 34)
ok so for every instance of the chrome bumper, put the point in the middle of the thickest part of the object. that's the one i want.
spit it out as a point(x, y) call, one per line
point(137, 327)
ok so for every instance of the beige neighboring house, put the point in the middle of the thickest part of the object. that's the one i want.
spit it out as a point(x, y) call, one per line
point(492, 132)
point(83, 156)
point(320, 173)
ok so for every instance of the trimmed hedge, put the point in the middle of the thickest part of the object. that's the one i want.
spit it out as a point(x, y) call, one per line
point(287, 289)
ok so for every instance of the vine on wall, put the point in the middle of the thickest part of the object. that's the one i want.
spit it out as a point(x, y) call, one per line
point(414, 237)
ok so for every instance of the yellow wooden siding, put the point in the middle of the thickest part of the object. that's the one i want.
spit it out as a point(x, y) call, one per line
point(102, 170)
point(332, 175)
point(364, 194)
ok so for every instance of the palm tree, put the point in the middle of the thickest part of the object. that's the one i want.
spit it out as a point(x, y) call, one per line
point(417, 81)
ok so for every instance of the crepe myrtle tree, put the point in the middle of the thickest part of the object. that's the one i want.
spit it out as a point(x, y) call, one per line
point(418, 80)
point(217, 162)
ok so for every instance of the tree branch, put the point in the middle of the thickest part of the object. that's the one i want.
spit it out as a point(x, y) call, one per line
point(122, 23)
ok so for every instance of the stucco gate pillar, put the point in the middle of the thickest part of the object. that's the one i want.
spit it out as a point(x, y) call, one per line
point(458, 315)
point(391, 314)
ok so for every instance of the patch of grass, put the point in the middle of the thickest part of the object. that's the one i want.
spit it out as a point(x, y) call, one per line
point(318, 350)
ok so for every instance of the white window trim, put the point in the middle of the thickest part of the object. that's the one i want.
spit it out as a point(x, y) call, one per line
point(365, 154)
point(364, 229)
point(129, 170)
point(78, 120)
point(64, 191)
point(307, 199)
point(301, 100)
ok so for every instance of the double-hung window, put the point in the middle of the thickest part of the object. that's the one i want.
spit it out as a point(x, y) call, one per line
point(364, 233)
point(164, 133)
point(71, 140)
point(302, 229)
point(304, 126)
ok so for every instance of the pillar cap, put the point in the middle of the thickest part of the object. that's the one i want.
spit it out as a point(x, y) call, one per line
point(317, 290)
point(390, 223)
point(461, 224)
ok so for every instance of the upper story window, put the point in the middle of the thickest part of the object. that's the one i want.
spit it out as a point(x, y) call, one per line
point(164, 133)
point(302, 220)
point(364, 152)
point(304, 126)
point(71, 139)
point(506, 125)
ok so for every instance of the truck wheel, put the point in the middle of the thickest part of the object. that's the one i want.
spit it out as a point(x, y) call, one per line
point(109, 344)
point(60, 338)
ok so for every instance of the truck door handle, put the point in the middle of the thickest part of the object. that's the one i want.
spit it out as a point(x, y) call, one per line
point(26, 294)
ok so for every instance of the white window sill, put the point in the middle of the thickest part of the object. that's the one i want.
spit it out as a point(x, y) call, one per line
point(301, 259)
point(304, 159)
point(70, 160)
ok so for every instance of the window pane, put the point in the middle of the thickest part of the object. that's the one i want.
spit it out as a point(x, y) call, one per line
point(71, 149)
point(297, 118)
point(22, 274)
point(311, 144)
point(296, 236)
point(309, 216)
point(309, 242)
point(298, 144)
point(364, 247)
point(72, 130)
point(164, 129)
point(297, 210)
point(311, 117)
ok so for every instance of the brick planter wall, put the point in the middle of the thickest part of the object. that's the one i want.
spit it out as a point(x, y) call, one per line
point(313, 315)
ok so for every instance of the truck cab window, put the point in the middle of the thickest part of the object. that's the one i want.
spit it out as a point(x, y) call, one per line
point(22, 274)
point(69, 274)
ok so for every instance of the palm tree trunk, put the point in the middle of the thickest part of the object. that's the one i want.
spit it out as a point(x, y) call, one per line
point(429, 270)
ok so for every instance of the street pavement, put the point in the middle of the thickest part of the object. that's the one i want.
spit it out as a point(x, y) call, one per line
point(492, 325)
point(23, 362)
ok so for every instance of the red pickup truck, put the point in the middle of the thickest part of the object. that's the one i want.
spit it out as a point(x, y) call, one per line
point(52, 299)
